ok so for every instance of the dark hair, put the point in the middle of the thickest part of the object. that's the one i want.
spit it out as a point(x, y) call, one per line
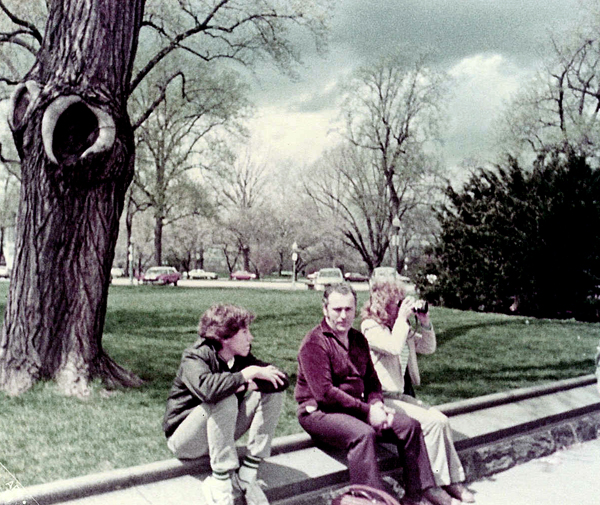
point(342, 288)
point(222, 321)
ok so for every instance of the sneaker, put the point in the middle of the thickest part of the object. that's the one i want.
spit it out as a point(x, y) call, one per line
point(393, 487)
point(217, 492)
point(251, 490)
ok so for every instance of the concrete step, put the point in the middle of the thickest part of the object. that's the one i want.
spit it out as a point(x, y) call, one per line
point(492, 433)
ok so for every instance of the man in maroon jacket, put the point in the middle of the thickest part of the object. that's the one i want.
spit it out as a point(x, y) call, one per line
point(340, 401)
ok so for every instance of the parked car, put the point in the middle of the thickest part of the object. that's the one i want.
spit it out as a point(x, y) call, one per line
point(355, 277)
point(242, 275)
point(116, 272)
point(384, 274)
point(312, 276)
point(326, 277)
point(390, 274)
point(161, 275)
point(4, 271)
point(199, 273)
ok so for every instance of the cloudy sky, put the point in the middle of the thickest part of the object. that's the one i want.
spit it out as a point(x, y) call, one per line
point(489, 47)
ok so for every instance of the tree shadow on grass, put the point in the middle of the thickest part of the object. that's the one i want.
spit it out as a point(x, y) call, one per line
point(444, 336)
point(545, 371)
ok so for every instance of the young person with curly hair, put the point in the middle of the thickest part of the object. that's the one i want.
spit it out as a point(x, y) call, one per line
point(222, 391)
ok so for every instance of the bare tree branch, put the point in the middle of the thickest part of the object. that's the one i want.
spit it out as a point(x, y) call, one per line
point(31, 29)
point(160, 98)
point(175, 41)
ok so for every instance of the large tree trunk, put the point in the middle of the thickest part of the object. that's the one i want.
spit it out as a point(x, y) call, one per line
point(71, 128)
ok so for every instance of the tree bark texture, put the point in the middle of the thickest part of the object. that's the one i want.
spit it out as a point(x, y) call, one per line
point(71, 128)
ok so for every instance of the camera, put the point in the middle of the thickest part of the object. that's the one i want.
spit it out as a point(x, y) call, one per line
point(421, 307)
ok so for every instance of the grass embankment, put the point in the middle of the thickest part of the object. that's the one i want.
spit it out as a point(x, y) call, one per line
point(44, 436)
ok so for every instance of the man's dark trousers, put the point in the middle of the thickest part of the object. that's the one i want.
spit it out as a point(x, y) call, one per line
point(359, 439)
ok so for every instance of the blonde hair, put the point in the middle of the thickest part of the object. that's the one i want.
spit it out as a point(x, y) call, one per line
point(383, 294)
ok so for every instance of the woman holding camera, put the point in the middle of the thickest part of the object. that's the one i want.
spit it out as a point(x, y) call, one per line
point(394, 347)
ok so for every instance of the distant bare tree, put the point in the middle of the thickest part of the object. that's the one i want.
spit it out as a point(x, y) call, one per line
point(349, 185)
point(242, 189)
point(382, 172)
point(182, 137)
point(559, 109)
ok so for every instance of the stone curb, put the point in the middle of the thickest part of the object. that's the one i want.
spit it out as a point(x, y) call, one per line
point(87, 485)
point(495, 399)
point(489, 459)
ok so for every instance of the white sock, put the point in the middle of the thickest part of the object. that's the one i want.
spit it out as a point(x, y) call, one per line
point(222, 480)
point(249, 469)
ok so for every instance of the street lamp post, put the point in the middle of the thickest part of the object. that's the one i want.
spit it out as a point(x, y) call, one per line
point(395, 241)
point(294, 260)
point(130, 260)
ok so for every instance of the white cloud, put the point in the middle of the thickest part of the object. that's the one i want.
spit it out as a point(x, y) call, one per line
point(482, 85)
point(299, 136)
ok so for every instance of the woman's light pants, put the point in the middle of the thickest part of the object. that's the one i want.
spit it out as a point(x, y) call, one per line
point(213, 429)
point(445, 463)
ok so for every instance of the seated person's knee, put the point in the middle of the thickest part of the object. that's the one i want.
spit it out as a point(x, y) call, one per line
point(441, 419)
point(365, 433)
point(227, 406)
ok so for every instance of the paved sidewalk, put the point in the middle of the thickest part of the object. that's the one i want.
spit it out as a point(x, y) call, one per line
point(567, 477)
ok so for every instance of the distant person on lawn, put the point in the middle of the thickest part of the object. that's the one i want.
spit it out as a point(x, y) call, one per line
point(221, 391)
point(340, 403)
point(394, 343)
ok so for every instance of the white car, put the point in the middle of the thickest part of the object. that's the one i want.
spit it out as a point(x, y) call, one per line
point(117, 272)
point(325, 277)
point(199, 273)
point(382, 274)
point(4, 271)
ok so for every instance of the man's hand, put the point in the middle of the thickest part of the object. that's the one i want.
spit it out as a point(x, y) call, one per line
point(390, 415)
point(269, 373)
point(378, 417)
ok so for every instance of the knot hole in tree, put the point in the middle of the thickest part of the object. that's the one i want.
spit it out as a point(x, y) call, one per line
point(76, 130)
point(21, 102)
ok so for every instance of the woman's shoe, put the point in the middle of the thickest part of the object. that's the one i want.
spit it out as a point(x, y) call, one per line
point(439, 496)
point(459, 491)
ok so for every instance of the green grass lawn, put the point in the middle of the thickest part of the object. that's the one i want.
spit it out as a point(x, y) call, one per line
point(45, 436)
